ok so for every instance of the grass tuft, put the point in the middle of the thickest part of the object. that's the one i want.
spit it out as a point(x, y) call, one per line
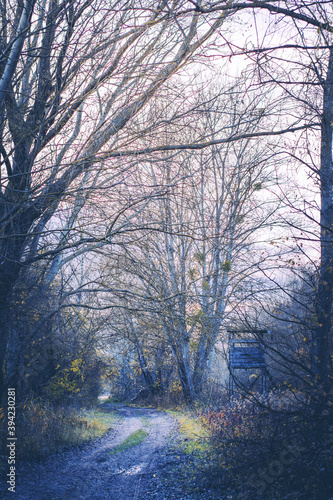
point(196, 436)
point(135, 438)
point(88, 424)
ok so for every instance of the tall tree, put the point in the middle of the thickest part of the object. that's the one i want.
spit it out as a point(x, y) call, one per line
point(72, 77)
point(294, 52)
point(186, 273)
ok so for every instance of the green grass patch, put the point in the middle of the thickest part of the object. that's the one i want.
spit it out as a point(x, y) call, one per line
point(196, 438)
point(135, 438)
point(89, 424)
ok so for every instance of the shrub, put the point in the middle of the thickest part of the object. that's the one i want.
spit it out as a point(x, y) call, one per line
point(271, 447)
point(43, 428)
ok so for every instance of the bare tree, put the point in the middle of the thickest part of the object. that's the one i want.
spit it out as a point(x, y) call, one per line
point(73, 76)
point(294, 53)
point(186, 273)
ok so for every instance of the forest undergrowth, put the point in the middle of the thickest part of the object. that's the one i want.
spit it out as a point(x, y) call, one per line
point(44, 428)
point(260, 448)
point(263, 448)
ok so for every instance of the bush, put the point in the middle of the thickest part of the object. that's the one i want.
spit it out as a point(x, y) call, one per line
point(43, 428)
point(270, 447)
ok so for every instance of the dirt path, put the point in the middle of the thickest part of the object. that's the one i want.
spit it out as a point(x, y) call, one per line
point(95, 474)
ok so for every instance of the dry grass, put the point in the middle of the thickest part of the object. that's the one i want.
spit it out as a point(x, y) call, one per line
point(42, 428)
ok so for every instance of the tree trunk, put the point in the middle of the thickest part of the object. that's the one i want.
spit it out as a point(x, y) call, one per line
point(324, 300)
point(186, 382)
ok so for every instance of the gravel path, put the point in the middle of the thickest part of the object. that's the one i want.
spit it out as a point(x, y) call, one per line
point(92, 473)
point(155, 469)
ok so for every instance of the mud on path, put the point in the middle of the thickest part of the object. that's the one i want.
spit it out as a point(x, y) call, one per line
point(93, 473)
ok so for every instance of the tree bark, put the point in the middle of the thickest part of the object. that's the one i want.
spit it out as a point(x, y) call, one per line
point(323, 326)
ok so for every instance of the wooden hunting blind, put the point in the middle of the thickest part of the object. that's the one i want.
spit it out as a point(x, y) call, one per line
point(246, 352)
